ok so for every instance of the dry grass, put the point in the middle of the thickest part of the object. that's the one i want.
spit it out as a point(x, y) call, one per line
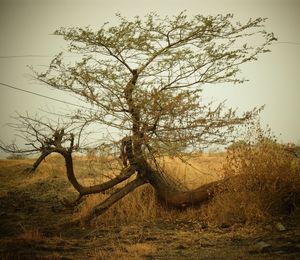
point(131, 251)
point(140, 249)
point(263, 184)
point(197, 170)
point(268, 182)
point(266, 185)
point(31, 235)
point(141, 205)
point(136, 207)
point(137, 227)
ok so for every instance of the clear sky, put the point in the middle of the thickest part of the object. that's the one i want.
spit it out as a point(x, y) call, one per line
point(26, 27)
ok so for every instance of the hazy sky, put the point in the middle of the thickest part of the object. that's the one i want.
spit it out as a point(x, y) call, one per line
point(26, 27)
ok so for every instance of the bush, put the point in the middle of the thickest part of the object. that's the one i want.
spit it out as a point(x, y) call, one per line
point(263, 182)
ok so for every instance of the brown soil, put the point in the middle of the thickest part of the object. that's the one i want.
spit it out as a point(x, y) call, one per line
point(33, 225)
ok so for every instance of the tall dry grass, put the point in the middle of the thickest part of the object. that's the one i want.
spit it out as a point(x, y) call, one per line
point(138, 206)
point(194, 170)
point(263, 184)
point(141, 205)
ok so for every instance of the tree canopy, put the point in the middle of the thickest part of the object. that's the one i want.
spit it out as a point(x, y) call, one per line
point(148, 74)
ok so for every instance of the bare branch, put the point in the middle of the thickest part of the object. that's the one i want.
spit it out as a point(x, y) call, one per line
point(116, 196)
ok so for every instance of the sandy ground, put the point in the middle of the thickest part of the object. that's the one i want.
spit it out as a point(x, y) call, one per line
point(33, 226)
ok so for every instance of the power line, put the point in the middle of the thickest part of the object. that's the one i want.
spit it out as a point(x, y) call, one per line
point(290, 43)
point(43, 96)
point(32, 56)
point(25, 56)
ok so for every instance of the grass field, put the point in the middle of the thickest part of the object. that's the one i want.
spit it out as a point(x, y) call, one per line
point(34, 222)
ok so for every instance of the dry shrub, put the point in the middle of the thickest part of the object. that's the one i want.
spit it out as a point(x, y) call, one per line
point(263, 182)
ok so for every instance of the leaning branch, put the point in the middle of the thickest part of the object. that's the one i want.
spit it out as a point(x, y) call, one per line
point(39, 160)
point(124, 175)
point(116, 196)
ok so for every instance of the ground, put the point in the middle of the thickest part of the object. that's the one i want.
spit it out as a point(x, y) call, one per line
point(34, 225)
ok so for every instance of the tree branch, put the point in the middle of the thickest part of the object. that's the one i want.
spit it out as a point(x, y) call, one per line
point(116, 196)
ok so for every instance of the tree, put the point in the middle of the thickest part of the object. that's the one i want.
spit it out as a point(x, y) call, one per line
point(144, 78)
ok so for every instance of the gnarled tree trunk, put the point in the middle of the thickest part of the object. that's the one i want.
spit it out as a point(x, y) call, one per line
point(169, 193)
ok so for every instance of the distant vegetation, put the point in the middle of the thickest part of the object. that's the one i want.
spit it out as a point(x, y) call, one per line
point(14, 156)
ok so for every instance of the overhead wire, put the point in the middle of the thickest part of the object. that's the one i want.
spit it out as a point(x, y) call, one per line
point(290, 43)
point(31, 56)
point(44, 96)
point(25, 56)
